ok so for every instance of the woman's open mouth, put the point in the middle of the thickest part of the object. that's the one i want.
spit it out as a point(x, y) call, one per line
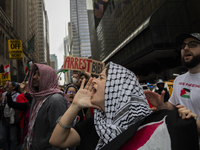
point(93, 91)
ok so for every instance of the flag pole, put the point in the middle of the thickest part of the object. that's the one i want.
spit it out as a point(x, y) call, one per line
point(26, 76)
point(29, 68)
point(60, 72)
point(59, 75)
point(8, 72)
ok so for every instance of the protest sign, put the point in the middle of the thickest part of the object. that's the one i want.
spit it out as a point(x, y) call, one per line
point(15, 49)
point(3, 78)
point(79, 63)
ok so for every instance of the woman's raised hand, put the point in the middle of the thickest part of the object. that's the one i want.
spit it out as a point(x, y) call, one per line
point(155, 99)
point(82, 98)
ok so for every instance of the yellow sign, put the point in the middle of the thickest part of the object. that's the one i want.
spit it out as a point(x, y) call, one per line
point(4, 79)
point(15, 49)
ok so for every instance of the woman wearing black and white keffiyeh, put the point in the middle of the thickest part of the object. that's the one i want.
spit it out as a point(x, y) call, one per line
point(119, 102)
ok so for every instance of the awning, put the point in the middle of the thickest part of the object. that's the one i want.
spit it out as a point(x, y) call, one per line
point(143, 26)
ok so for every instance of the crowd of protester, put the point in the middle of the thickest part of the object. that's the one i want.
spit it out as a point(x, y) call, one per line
point(108, 112)
point(15, 104)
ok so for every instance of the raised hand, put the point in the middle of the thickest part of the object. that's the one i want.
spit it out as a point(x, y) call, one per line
point(22, 87)
point(154, 98)
point(82, 98)
point(9, 88)
point(86, 73)
point(6, 85)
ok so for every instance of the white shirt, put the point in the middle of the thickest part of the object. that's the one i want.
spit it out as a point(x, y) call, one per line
point(186, 91)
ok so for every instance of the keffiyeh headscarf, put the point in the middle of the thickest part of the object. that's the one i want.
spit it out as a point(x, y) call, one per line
point(48, 85)
point(125, 104)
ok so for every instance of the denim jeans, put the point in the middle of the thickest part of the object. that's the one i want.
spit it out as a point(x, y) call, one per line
point(8, 137)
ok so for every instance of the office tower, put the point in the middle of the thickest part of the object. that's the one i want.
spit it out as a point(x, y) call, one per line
point(54, 58)
point(42, 33)
point(52, 63)
point(67, 53)
point(80, 38)
point(140, 34)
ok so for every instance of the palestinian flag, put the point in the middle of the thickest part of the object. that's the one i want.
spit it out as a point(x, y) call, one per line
point(28, 66)
point(185, 93)
point(61, 70)
point(6, 70)
point(163, 130)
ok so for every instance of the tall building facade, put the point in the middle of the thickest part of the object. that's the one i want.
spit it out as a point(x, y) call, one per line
point(47, 37)
point(69, 38)
point(93, 36)
point(54, 58)
point(140, 34)
point(32, 28)
point(52, 63)
point(20, 20)
point(67, 53)
point(43, 33)
point(80, 37)
point(66, 46)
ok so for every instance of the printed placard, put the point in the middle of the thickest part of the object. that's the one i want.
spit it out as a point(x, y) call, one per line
point(3, 78)
point(15, 49)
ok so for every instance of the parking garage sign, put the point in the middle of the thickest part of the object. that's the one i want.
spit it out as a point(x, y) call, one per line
point(3, 78)
point(15, 49)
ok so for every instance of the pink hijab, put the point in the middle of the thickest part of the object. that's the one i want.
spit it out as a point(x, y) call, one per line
point(48, 82)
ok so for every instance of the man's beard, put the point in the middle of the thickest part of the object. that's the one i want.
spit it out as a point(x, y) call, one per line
point(192, 63)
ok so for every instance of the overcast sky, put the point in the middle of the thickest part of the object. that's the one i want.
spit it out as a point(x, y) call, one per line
point(59, 15)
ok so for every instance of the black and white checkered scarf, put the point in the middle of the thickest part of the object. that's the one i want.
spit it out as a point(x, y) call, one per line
point(125, 104)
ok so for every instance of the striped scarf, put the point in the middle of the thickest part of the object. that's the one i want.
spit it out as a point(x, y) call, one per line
point(48, 85)
point(125, 104)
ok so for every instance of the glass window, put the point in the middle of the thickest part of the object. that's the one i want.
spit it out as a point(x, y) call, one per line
point(148, 38)
point(84, 37)
point(83, 21)
point(137, 45)
point(84, 33)
point(157, 35)
point(142, 43)
point(172, 10)
point(82, 48)
point(132, 47)
point(83, 52)
point(75, 52)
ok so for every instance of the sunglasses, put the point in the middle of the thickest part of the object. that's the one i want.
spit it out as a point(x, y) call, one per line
point(191, 44)
point(69, 92)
